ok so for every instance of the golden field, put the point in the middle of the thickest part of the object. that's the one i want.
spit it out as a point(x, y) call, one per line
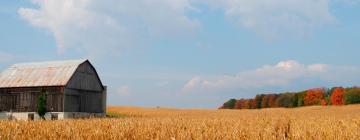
point(307, 123)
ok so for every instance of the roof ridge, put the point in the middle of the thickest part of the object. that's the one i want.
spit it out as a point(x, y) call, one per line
point(50, 62)
point(47, 73)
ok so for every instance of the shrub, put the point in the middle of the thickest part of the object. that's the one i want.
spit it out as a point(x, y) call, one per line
point(324, 102)
point(328, 100)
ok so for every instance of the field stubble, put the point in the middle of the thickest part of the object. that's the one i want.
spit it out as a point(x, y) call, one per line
point(145, 123)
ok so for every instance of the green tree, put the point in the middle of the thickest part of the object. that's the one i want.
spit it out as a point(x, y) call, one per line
point(352, 95)
point(295, 100)
point(285, 100)
point(300, 98)
point(41, 110)
point(300, 102)
point(230, 104)
point(258, 100)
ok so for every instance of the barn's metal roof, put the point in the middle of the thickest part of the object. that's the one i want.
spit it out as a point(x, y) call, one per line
point(52, 73)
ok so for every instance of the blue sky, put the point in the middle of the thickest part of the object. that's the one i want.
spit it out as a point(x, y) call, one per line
point(190, 53)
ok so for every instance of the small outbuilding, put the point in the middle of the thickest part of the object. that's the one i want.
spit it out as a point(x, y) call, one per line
point(73, 89)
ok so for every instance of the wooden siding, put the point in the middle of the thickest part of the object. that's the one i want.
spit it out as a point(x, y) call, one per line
point(26, 99)
point(83, 101)
point(104, 96)
point(85, 78)
point(84, 92)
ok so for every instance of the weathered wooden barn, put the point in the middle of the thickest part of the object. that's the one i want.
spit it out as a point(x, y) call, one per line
point(73, 89)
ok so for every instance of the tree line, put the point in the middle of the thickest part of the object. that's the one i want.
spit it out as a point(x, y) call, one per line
point(317, 96)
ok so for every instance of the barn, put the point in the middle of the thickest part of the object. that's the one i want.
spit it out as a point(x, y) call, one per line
point(73, 89)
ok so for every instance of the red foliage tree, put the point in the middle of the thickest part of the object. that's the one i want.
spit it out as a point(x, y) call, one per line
point(271, 100)
point(314, 96)
point(240, 104)
point(247, 104)
point(253, 104)
point(337, 96)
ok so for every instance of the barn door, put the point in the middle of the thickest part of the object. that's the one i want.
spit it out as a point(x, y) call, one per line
point(72, 103)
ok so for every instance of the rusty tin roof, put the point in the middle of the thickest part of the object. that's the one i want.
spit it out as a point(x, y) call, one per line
point(52, 73)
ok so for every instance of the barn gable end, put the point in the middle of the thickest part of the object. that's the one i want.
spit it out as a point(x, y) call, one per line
point(84, 91)
point(85, 77)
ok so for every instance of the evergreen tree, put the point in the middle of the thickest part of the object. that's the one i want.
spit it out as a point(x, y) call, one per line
point(42, 105)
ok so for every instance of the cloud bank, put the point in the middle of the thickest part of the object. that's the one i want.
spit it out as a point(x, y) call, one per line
point(101, 27)
point(284, 73)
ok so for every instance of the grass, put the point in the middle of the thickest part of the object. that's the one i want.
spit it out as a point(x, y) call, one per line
point(310, 123)
point(115, 115)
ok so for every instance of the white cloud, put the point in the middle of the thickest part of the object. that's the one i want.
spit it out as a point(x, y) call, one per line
point(123, 91)
point(193, 83)
point(282, 74)
point(101, 27)
point(6, 57)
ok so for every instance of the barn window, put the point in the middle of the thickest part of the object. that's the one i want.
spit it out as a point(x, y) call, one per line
point(31, 116)
point(54, 116)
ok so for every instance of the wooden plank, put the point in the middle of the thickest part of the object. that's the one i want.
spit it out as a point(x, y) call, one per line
point(26, 99)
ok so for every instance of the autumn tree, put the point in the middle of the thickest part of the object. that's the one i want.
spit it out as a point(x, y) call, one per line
point(253, 104)
point(318, 96)
point(264, 101)
point(239, 104)
point(314, 96)
point(337, 96)
point(271, 100)
point(247, 104)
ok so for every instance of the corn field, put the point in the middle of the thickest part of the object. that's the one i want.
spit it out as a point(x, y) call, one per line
point(310, 123)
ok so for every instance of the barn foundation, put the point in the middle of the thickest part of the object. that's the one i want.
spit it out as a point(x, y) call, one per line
point(48, 115)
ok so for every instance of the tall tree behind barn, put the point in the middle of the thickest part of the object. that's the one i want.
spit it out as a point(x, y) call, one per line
point(72, 87)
